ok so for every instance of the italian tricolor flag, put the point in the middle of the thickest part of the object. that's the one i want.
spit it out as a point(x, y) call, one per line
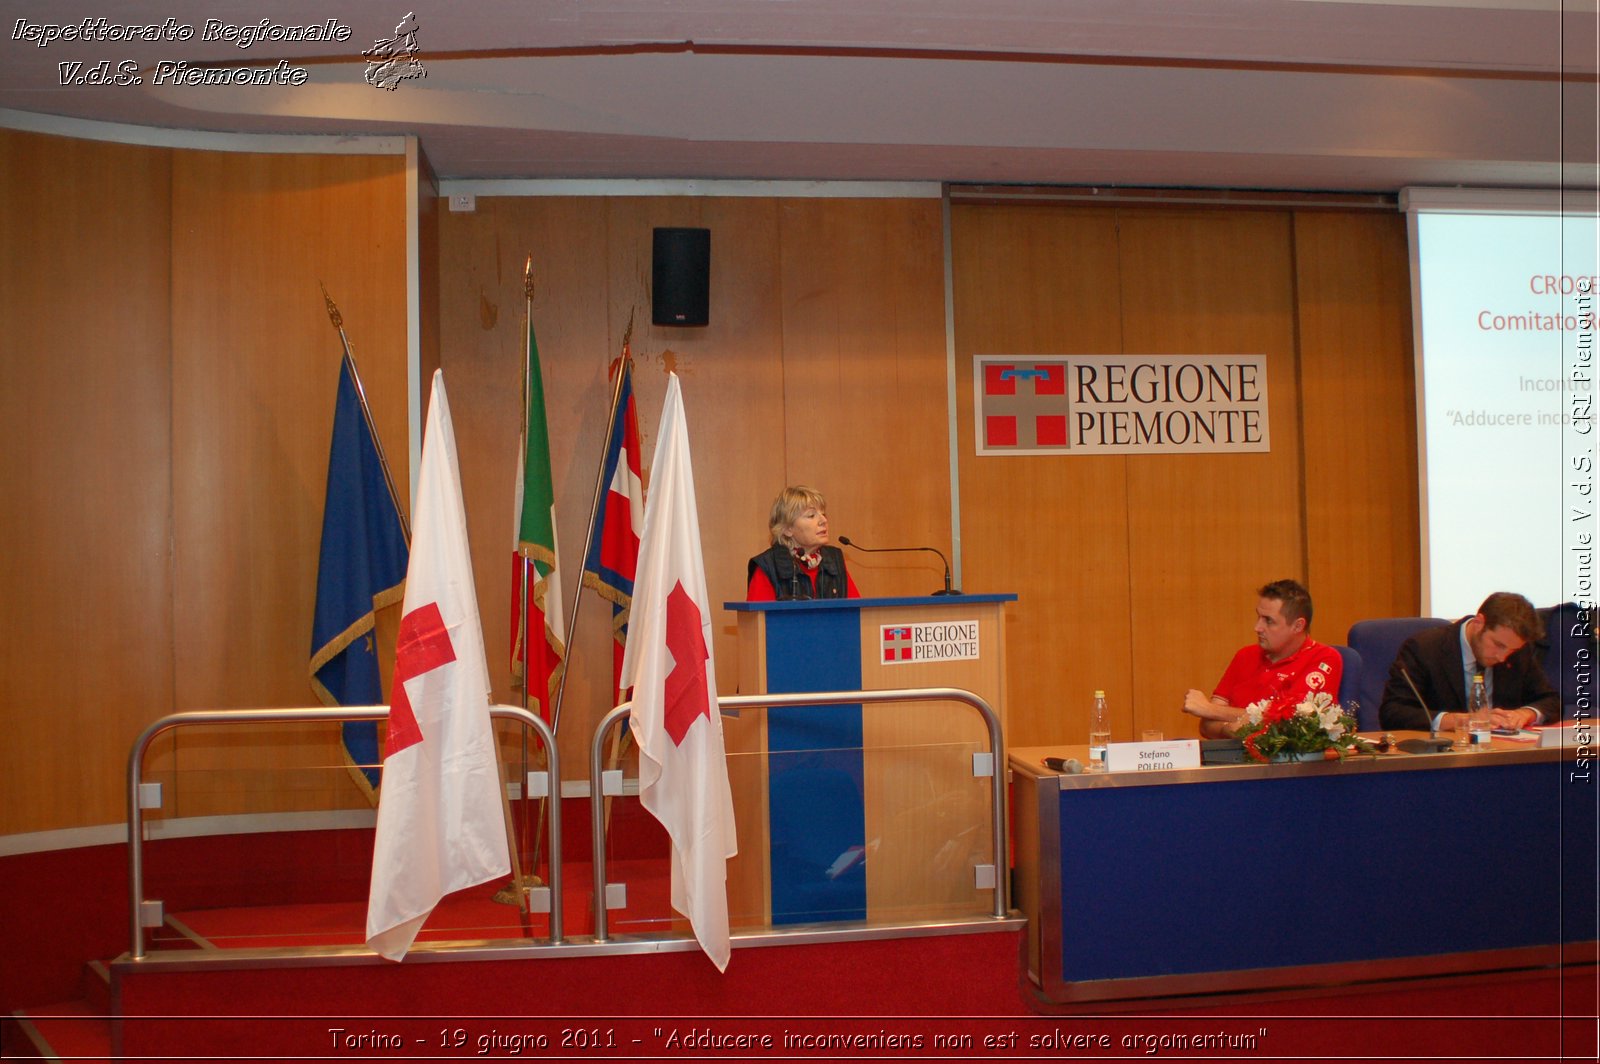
point(537, 661)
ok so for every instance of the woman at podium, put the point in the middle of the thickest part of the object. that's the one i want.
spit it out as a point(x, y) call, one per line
point(800, 564)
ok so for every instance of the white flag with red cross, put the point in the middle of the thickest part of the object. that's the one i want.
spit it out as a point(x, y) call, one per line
point(683, 767)
point(441, 821)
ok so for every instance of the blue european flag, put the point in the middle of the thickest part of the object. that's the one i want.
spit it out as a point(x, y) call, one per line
point(361, 569)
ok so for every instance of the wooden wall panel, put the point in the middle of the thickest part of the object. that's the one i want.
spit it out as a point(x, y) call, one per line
point(592, 272)
point(1054, 529)
point(864, 383)
point(823, 363)
point(1204, 531)
point(1137, 574)
point(255, 366)
point(426, 220)
point(482, 256)
point(1353, 292)
point(1205, 281)
point(813, 304)
point(732, 372)
point(85, 403)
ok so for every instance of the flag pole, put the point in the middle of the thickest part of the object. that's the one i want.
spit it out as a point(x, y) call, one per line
point(588, 544)
point(524, 906)
point(366, 411)
point(524, 564)
point(594, 511)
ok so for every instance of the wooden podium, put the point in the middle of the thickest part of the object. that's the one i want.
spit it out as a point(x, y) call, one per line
point(863, 812)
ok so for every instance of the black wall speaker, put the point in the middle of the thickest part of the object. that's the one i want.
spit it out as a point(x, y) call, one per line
point(680, 277)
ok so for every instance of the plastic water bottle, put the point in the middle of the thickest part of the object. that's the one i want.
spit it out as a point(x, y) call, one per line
point(1478, 718)
point(1099, 732)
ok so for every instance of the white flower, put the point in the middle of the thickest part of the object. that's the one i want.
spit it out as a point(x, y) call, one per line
point(1334, 730)
point(1254, 710)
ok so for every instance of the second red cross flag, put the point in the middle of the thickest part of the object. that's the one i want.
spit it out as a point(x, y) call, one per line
point(683, 767)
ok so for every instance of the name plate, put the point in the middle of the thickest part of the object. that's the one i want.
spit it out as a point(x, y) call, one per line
point(1153, 757)
point(1573, 733)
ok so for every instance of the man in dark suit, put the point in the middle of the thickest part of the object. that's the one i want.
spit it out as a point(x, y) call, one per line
point(1497, 642)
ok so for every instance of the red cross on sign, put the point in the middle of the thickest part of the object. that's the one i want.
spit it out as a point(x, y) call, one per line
point(423, 646)
point(686, 684)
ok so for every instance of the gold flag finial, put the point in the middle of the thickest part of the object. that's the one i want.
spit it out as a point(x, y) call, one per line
point(333, 310)
point(527, 278)
point(627, 334)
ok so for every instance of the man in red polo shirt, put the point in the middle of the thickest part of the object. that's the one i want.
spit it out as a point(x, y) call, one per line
point(1286, 664)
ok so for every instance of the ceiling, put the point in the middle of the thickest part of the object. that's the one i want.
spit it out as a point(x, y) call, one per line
point(1369, 95)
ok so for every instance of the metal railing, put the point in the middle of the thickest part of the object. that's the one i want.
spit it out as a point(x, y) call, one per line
point(1001, 845)
point(1000, 839)
point(305, 716)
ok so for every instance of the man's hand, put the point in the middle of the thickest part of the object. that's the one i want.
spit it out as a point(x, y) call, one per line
point(1513, 718)
point(1217, 718)
point(1199, 704)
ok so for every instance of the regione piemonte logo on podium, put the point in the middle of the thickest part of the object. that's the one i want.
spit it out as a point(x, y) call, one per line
point(907, 644)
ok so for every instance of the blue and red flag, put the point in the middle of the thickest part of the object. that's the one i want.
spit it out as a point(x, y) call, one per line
point(619, 519)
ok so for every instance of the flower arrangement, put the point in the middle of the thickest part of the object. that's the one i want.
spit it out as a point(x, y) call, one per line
point(1319, 724)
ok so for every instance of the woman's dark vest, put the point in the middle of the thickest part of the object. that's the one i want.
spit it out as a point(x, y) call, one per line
point(790, 582)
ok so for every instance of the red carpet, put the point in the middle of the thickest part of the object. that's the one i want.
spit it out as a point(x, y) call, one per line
point(466, 915)
point(69, 1030)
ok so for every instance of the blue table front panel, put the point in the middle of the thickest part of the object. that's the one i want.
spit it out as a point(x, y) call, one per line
point(814, 770)
point(1322, 868)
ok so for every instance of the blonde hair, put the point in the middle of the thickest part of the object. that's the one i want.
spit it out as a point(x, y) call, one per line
point(787, 508)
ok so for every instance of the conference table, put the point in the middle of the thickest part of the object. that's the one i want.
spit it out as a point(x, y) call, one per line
point(1249, 877)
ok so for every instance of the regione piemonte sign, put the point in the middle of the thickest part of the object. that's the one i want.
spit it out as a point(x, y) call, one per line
point(1120, 404)
point(918, 644)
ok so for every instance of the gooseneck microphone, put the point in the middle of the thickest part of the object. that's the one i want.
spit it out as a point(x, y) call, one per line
point(1433, 721)
point(1432, 744)
point(947, 590)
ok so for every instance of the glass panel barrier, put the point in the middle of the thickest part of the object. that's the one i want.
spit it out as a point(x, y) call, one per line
point(932, 838)
point(256, 832)
point(906, 854)
point(886, 834)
